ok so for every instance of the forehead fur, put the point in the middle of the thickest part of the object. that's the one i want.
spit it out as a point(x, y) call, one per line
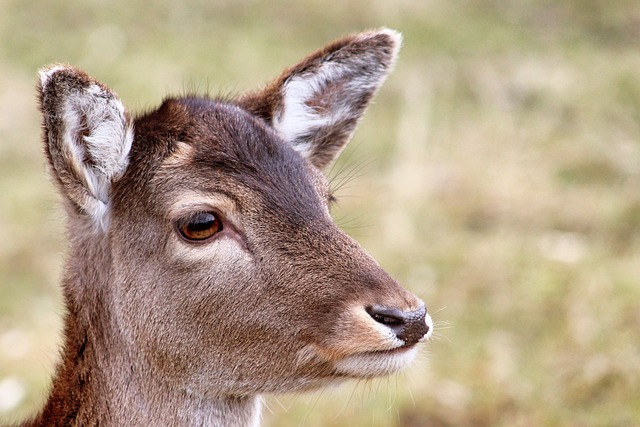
point(213, 144)
point(216, 131)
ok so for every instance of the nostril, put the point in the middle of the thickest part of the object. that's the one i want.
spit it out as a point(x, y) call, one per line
point(386, 316)
point(409, 326)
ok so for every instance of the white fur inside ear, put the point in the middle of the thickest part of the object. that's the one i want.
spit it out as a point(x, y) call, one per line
point(98, 140)
point(299, 118)
point(323, 98)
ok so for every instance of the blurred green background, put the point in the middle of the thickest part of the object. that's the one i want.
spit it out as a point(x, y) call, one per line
point(497, 175)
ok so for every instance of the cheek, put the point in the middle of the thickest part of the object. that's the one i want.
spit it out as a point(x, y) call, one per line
point(182, 291)
point(218, 254)
point(181, 311)
point(205, 281)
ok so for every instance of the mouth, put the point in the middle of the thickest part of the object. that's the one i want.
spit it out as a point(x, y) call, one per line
point(392, 351)
point(391, 346)
point(377, 363)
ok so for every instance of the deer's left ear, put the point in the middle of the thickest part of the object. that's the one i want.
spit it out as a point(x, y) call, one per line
point(316, 104)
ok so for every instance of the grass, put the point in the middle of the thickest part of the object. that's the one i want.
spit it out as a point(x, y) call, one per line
point(500, 181)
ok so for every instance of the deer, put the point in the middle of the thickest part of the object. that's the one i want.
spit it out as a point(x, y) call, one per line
point(203, 269)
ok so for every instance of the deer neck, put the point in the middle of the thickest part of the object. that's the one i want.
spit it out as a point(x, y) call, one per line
point(99, 380)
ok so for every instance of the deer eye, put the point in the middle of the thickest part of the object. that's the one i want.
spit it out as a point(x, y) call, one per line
point(199, 226)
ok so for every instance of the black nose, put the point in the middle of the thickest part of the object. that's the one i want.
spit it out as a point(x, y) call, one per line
point(409, 326)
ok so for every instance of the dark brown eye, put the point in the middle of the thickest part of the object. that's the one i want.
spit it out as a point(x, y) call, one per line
point(199, 226)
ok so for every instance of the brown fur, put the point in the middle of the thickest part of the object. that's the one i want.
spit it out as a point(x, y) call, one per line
point(161, 331)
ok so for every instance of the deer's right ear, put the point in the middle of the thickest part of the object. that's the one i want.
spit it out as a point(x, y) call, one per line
point(87, 135)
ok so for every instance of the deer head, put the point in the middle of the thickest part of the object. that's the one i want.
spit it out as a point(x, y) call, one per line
point(203, 254)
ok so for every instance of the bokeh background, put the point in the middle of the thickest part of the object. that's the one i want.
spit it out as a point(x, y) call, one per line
point(497, 176)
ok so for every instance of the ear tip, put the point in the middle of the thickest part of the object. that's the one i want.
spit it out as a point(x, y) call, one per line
point(394, 35)
point(387, 37)
point(47, 74)
point(396, 40)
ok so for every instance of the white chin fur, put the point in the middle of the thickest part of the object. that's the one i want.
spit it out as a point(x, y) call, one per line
point(368, 365)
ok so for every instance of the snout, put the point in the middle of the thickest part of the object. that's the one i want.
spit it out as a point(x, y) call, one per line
point(380, 339)
point(377, 323)
point(408, 326)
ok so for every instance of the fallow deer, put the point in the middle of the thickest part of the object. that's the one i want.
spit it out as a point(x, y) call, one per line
point(204, 269)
